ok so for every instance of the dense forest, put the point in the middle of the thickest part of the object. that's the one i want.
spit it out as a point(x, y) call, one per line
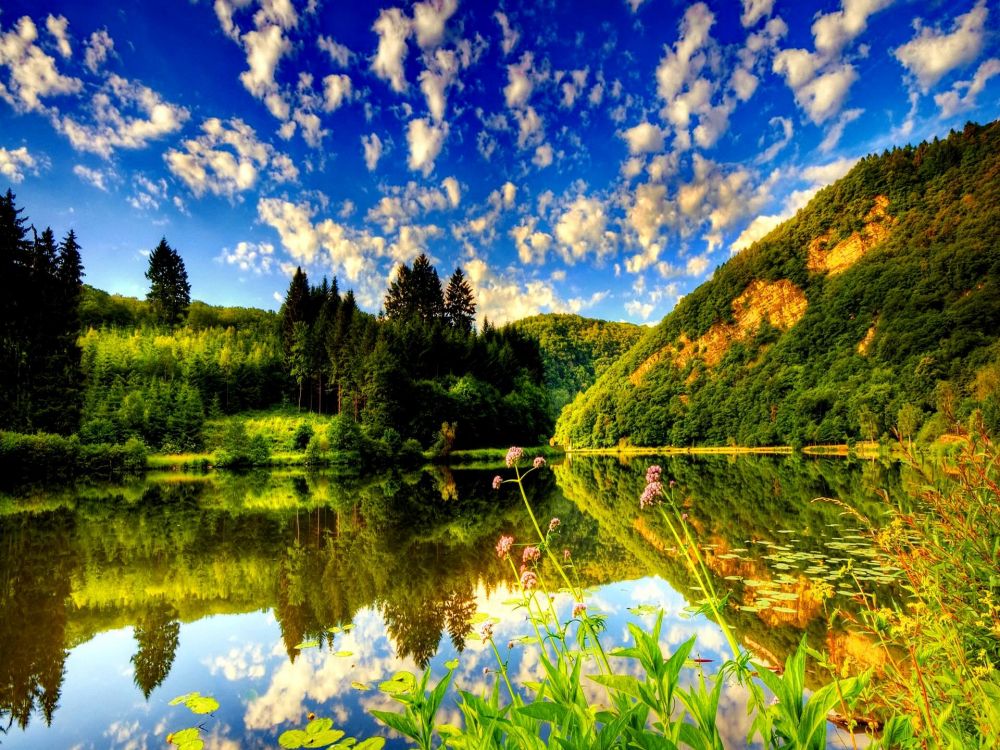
point(576, 350)
point(108, 369)
point(876, 307)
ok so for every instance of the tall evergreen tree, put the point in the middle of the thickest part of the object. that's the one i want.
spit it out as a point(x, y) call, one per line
point(169, 291)
point(459, 302)
point(295, 309)
point(415, 293)
point(15, 296)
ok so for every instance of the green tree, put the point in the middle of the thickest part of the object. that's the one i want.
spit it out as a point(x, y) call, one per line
point(169, 290)
point(459, 302)
point(415, 293)
point(294, 309)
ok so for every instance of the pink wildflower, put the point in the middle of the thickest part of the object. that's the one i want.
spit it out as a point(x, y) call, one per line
point(529, 580)
point(651, 494)
point(538, 463)
point(553, 525)
point(672, 484)
point(653, 474)
point(503, 546)
point(566, 555)
point(497, 481)
point(531, 554)
point(487, 631)
point(513, 456)
point(579, 609)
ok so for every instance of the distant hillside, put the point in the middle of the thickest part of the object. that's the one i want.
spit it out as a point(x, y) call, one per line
point(98, 308)
point(576, 351)
point(877, 305)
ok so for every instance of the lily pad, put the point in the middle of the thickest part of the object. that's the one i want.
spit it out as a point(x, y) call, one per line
point(308, 644)
point(401, 682)
point(360, 686)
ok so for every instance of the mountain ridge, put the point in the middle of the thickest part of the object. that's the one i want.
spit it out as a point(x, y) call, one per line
point(881, 294)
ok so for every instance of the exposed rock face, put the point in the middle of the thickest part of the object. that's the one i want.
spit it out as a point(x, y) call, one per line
point(847, 252)
point(780, 302)
point(866, 342)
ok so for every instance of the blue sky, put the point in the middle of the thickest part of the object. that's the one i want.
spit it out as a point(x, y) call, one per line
point(593, 157)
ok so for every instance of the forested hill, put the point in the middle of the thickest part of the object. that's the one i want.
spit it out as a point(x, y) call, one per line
point(876, 306)
point(576, 350)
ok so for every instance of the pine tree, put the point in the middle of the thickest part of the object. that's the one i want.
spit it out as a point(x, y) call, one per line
point(459, 303)
point(15, 295)
point(294, 309)
point(415, 293)
point(169, 291)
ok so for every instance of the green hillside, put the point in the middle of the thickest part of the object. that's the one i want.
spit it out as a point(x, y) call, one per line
point(877, 305)
point(576, 351)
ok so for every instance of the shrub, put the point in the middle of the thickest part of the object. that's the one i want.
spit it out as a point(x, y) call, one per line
point(302, 437)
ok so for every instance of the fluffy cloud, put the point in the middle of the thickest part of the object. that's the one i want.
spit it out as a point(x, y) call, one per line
point(97, 177)
point(441, 71)
point(582, 230)
point(932, 53)
point(57, 26)
point(425, 140)
point(509, 35)
point(32, 73)
point(250, 257)
point(392, 28)
point(644, 138)
point(820, 80)
point(572, 88)
point(832, 136)
point(14, 163)
point(453, 190)
point(646, 216)
point(113, 126)
point(532, 245)
point(402, 204)
point(786, 136)
point(520, 81)
point(265, 48)
point(227, 159)
point(336, 91)
point(833, 31)
point(954, 101)
point(429, 19)
point(372, 146)
point(543, 156)
point(99, 46)
point(754, 10)
point(339, 53)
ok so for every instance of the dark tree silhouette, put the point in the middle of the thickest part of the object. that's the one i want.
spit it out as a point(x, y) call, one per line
point(459, 302)
point(169, 290)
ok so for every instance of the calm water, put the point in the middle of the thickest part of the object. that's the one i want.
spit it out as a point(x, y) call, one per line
point(282, 594)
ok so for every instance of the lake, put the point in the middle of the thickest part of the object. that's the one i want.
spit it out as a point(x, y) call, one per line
point(279, 594)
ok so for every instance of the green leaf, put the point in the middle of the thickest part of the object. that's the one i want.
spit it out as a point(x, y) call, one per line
point(183, 698)
point(324, 738)
point(343, 654)
point(318, 725)
point(184, 735)
point(401, 682)
point(202, 704)
point(293, 738)
point(197, 744)
point(544, 711)
point(360, 686)
point(452, 664)
point(308, 644)
point(372, 743)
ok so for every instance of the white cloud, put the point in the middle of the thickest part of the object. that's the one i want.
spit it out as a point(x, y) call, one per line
point(251, 257)
point(952, 102)
point(823, 96)
point(32, 73)
point(824, 174)
point(265, 48)
point(509, 35)
point(638, 309)
point(227, 159)
point(572, 88)
point(634, 4)
point(833, 31)
point(519, 81)
point(644, 138)
point(336, 91)
point(97, 177)
point(99, 46)
point(933, 53)
point(532, 245)
point(835, 131)
point(509, 194)
point(392, 28)
point(697, 265)
point(14, 163)
point(758, 228)
point(754, 10)
point(429, 19)
point(425, 140)
point(339, 53)
point(113, 127)
point(149, 194)
point(372, 146)
point(503, 298)
point(57, 26)
point(543, 156)
point(786, 136)
point(441, 71)
point(582, 230)
point(453, 190)
point(646, 216)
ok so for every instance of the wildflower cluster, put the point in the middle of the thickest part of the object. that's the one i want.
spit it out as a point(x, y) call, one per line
point(513, 456)
point(504, 545)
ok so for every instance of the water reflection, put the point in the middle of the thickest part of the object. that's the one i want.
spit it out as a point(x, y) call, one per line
point(281, 593)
